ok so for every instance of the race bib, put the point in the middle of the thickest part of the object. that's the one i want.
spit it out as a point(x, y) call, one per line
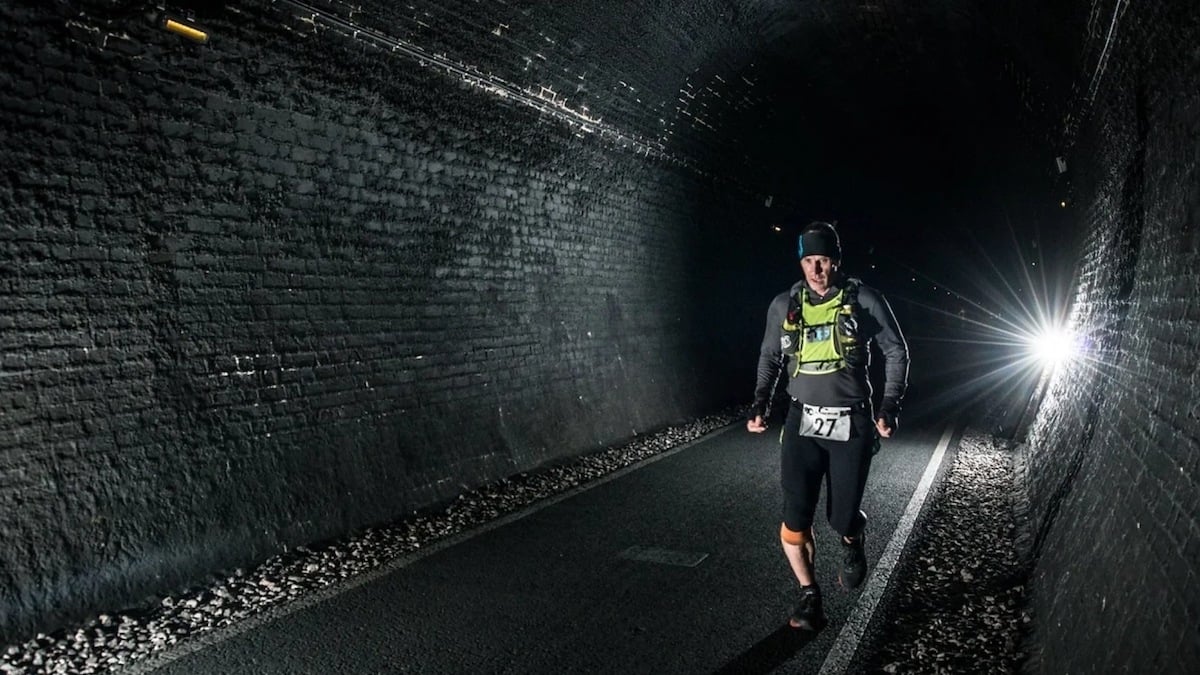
point(827, 422)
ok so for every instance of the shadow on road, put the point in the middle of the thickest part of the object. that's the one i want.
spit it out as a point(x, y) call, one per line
point(770, 652)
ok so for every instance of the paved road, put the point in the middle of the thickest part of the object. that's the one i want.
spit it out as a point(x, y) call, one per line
point(552, 592)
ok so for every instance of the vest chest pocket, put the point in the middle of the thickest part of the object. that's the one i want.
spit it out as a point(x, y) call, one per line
point(819, 333)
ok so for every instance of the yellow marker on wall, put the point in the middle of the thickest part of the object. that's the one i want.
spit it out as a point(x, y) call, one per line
point(186, 31)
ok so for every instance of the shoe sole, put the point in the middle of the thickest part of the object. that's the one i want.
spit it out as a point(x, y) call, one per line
point(846, 587)
point(806, 625)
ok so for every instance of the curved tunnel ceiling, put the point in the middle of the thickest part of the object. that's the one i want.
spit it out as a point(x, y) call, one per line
point(904, 118)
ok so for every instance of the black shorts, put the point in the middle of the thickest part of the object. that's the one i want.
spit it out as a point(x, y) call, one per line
point(805, 461)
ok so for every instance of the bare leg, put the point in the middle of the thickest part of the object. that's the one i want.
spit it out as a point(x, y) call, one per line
point(800, 557)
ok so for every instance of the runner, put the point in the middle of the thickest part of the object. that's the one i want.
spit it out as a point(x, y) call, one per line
point(821, 331)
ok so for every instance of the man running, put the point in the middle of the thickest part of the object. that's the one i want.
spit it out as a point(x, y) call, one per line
point(820, 331)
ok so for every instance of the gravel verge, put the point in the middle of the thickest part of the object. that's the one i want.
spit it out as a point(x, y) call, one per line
point(117, 640)
point(959, 601)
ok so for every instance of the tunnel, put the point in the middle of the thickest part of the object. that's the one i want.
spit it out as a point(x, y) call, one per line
point(276, 271)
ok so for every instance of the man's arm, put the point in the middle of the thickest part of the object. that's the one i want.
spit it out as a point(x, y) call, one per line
point(770, 358)
point(895, 358)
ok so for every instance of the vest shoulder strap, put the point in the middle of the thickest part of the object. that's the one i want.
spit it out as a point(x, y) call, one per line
point(851, 292)
point(795, 310)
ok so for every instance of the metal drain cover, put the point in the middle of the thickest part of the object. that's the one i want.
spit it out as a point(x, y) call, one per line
point(663, 556)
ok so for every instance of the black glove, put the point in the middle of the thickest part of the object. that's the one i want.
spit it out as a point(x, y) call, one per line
point(757, 409)
point(889, 411)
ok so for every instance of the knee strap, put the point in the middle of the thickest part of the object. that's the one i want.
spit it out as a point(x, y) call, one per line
point(793, 537)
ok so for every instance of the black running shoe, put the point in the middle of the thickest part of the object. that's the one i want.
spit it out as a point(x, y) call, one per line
point(808, 615)
point(854, 564)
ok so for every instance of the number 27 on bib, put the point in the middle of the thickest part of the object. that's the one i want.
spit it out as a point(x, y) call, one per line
point(829, 422)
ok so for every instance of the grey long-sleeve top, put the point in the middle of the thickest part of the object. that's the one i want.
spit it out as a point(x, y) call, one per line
point(849, 386)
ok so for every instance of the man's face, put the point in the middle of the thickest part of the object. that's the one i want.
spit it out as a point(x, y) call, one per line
point(818, 271)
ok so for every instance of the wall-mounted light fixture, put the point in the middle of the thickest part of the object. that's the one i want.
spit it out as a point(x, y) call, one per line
point(184, 30)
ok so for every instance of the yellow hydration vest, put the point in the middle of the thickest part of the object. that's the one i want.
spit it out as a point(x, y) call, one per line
point(822, 337)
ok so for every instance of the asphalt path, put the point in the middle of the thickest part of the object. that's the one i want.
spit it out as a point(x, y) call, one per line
point(605, 581)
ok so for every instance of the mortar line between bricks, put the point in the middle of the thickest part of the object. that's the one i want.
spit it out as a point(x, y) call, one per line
point(486, 81)
point(321, 595)
point(837, 660)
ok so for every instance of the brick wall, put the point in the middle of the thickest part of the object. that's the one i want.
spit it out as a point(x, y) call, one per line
point(295, 281)
point(1115, 462)
point(263, 291)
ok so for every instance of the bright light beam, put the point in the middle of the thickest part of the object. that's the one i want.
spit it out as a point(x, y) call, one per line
point(1053, 347)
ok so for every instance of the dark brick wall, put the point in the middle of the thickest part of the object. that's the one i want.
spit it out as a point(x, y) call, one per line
point(296, 281)
point(1114, 457)
point(263, 291)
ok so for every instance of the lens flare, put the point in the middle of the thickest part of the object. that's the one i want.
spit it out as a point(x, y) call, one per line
point(1053, 347)
point(1004, 340)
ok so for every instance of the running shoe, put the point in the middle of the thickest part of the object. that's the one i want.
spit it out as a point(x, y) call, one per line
point(808, 615)
point(854, 563)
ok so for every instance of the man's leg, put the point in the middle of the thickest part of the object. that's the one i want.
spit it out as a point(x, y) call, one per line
point(800, 551)
point(849, 465)
point(801, 467)
point(809, 614)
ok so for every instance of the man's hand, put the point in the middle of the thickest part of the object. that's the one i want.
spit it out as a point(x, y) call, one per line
point(882, 426)
point(756, 425)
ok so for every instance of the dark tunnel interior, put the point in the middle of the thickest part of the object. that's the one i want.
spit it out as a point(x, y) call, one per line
point(339, 262)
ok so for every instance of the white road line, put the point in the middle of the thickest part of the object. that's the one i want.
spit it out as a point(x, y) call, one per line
point(842, 651)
